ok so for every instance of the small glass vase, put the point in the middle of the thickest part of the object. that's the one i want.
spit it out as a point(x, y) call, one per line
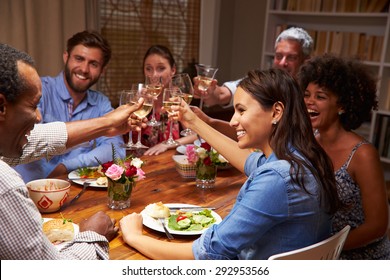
point(119, 194)
point(205, 175)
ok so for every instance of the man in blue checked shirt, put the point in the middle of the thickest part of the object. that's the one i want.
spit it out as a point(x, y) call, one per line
point(68, 97)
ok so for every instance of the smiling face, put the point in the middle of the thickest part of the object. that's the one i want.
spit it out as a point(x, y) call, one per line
point(288, 56)
point(83, 67)
point(157, 65)
point(322, 106)
point(17, 119)
point(252, 123)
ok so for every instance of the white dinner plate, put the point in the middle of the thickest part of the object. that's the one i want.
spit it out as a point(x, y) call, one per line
point(197, 142)
point(181, 149)
point(74, 177)
point(62, 245)
point(152, 223)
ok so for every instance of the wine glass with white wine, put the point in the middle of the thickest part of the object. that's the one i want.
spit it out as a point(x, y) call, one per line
point(144, 110)
point(183, 82)
point(171, 96)
point(125, 99)
point(206, 75)
point(154, 86)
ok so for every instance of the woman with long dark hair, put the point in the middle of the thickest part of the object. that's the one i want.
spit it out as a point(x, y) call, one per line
point(290, 195)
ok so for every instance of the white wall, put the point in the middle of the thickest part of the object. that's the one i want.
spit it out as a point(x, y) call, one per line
point(231, 36)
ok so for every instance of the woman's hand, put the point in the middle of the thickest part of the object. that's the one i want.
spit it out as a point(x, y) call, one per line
point(184, 114)
point(157, 149)
point(131, 226)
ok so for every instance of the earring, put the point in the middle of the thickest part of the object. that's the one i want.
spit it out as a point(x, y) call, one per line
point(340, 113)
point(274, 121)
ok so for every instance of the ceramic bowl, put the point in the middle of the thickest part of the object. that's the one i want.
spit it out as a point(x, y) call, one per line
point(48, 194)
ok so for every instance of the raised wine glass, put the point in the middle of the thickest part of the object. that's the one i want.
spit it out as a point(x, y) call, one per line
point(171, 96)
point(144, 110)
point(183, 82)
point(206, 75)
point(154, 86)
point(124, 99)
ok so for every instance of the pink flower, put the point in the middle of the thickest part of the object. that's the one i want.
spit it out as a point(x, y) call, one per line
point(114, 172)
point(140, 174)
point(192, 156)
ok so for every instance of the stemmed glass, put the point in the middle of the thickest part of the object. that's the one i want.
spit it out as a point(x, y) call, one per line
point(171, 96)
point(206, 75)
point(154, 86)
point(144, 110)
point(124, 99)
point(183, 82)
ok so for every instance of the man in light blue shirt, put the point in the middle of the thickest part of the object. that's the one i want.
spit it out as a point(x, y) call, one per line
point(68, 97)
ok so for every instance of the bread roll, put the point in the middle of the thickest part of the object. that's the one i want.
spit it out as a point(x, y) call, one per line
point(158, 210)
point(57, 231)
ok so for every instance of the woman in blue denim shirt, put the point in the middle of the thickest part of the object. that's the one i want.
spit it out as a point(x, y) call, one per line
point(290, 195)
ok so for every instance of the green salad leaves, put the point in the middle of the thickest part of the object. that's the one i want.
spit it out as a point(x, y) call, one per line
point(191, 221)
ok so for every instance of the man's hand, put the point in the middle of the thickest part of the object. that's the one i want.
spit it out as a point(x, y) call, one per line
point(123, 120)
point(101, 224)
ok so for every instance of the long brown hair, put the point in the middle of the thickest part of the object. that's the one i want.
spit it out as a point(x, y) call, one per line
point(293, 131)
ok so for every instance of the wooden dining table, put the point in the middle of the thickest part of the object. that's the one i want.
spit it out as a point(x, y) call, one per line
point(162, 183)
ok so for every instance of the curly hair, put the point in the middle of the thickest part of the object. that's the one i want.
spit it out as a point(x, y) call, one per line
point(90, 39)
point(293, 130)
point(349, 79)
point(12, 84)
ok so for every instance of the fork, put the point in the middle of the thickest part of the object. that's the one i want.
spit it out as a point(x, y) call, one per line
point(167, 233)
point(85, 186)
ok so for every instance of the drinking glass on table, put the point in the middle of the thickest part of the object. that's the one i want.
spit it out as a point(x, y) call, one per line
point(171, 96)
point(124, 99)
point(206, 75)
point(154, 86)
point(144, 110)
point(183, 82)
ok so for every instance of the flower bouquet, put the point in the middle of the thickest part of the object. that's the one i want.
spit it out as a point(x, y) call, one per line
point(206, 160)
point(122, 175)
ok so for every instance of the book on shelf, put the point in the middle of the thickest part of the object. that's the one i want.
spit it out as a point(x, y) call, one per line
point(353, 44)
point(375, 6)
point(336, 42)
point(377, 48)
point(329, 6)
point(346, 6)
point(320, 45)
point(362, 46)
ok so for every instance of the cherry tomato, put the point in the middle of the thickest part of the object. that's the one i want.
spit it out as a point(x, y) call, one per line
point(179, 218)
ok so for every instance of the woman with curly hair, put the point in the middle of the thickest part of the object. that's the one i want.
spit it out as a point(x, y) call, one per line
point(339, 95)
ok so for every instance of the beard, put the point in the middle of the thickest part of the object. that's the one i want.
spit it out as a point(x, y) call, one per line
point(74, 86)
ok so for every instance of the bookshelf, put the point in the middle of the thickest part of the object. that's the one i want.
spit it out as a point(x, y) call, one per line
point(350, 28)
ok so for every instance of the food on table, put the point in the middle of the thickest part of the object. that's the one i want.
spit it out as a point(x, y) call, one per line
point(49, 186)
point(158, 210)
point(191, 221)
point(58, 230)
point(89, 172)
point(101, 181)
